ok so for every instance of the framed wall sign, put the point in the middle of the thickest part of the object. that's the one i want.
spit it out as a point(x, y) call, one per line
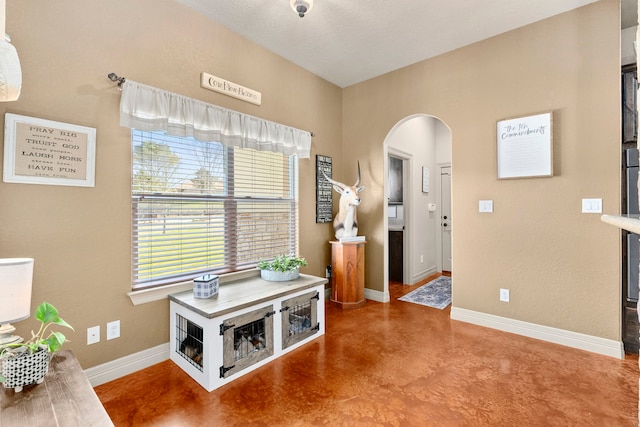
point(425, 179)
point(324, 197)
point(525, 147)
point(39, 151)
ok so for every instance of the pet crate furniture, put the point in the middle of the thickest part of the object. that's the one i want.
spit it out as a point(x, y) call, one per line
point(347, 274)
point(250, 323)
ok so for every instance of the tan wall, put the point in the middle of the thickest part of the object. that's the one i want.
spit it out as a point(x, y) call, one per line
point(80, 237)
point(562, 266)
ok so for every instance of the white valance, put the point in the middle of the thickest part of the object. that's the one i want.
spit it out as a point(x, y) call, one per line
point(148, 108)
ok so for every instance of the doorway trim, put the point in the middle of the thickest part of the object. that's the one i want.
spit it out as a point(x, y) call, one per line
point(439, 252)
point(384, 295)
point(407, 170)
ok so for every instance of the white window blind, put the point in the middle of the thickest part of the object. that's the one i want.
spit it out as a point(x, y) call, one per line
point(202, 207)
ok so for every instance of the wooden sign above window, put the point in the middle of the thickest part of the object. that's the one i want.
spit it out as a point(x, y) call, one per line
point(228, 88)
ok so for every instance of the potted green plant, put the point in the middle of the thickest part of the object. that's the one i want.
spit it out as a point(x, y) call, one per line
point(281, 268)
point(25, 363)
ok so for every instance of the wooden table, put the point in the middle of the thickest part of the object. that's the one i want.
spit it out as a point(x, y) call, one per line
point(65, 398)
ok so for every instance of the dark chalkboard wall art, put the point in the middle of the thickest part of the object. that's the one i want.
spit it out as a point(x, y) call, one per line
point(324, 200)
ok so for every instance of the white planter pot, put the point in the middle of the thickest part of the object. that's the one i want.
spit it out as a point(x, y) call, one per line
point(280, 276)
point(26, 369)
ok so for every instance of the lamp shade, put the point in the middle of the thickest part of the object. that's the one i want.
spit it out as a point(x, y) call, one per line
point(10, 72)
point(16, 275)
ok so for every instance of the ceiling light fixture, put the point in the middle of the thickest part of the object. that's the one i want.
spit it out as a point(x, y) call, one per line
point(301, 7)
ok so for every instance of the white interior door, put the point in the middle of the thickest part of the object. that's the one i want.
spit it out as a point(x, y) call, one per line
point(445, 217)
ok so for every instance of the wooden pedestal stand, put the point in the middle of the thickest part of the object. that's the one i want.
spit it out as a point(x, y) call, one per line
point(347, 274)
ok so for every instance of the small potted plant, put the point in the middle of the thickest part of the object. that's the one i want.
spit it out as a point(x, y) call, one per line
point(25, 363)
point(282, 268)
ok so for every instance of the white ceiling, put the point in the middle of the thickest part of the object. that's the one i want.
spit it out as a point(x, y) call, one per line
point(349, 41)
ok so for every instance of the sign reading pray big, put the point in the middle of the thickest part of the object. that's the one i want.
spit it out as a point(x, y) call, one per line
point(38, 151)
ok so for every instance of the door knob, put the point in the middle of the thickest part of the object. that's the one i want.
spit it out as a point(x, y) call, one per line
point(444, 217)
point(445, 224)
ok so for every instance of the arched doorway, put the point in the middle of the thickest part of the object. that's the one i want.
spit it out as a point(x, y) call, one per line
point(421, 145)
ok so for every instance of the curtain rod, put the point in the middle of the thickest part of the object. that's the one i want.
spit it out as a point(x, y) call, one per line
point(115, 78)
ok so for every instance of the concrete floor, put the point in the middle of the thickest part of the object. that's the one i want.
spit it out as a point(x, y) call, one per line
point(395, 364)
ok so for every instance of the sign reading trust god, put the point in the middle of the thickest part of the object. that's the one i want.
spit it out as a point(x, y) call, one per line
point(226, 87)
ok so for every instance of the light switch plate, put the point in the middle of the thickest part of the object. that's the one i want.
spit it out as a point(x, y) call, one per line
point(485, 206)
point(591, 205)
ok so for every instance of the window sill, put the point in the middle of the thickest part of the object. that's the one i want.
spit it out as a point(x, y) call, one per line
point(162, 292)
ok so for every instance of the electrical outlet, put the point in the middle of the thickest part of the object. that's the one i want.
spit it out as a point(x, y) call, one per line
point(113, 330)
point(421, 258)
point(93, 335)
point(504, 295)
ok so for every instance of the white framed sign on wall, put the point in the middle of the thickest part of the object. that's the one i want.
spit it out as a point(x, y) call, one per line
point(525, 147)
point(425, 179)
point(39, 151)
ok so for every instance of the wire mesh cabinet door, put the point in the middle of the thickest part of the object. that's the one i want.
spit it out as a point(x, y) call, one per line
point(247, 339)
point(299, 318)
point(189, 341)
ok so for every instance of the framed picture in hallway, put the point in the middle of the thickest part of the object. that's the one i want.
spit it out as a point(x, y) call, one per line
point(525, 146)
point(39, 151)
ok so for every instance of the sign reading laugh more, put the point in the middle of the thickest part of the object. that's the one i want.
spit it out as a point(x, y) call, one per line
point(41, 151)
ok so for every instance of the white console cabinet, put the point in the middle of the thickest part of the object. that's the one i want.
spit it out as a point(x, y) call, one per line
point(248, 324)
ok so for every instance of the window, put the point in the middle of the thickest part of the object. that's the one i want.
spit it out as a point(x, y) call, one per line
point(201, 207)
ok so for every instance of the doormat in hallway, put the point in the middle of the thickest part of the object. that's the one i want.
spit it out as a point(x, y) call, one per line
point(436, 293)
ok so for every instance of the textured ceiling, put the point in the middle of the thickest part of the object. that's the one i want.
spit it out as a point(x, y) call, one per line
point(349, 41)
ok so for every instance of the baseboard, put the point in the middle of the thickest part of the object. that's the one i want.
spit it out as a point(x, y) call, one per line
point(126, 365)
point(421, 275)
point(376, 295)
point(368, 294)
point(545, 333)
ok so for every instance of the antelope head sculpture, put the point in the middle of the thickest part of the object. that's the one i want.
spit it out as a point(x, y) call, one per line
point(345, 223)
